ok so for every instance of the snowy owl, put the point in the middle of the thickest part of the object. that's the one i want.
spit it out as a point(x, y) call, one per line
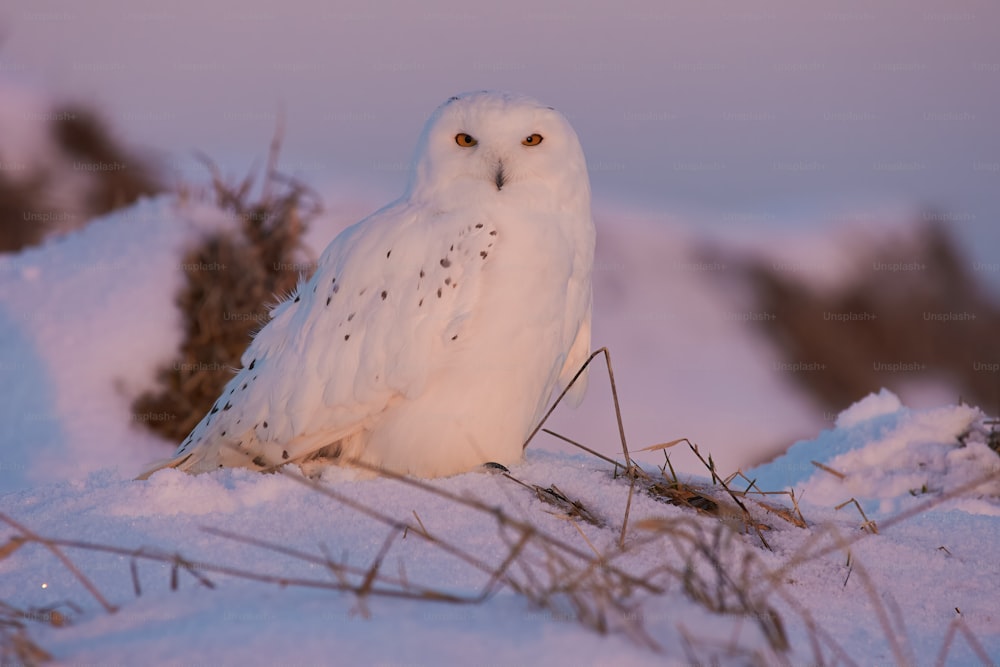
point(434, 332)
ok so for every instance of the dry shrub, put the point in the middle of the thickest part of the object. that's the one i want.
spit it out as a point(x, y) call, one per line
point(34, 199)
point(230, 278)
point(898, 321)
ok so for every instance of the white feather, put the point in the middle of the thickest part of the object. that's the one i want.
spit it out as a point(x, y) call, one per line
point(434, 332)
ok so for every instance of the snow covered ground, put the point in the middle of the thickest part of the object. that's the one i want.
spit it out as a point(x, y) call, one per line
point(769, 118)
point(88, 317)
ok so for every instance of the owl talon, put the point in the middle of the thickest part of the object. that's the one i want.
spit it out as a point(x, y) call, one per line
point(493, 467)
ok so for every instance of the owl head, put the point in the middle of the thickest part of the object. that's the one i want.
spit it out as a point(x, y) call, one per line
point(489, 144)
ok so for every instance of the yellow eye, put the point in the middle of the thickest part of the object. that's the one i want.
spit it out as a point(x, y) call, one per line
point(533, 140)
point(465, 140)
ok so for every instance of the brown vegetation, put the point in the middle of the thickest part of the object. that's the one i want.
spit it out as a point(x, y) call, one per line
point(232, 276)
point(34, 199)
point(913, 313)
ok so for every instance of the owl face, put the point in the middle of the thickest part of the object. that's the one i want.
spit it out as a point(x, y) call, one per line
point(490, 144)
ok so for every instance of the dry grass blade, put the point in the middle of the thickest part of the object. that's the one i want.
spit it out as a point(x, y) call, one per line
point(556, 498)
point(684, 495)
point(497, 514)
point(792, 516)
point(29, 536)
point(956, 626)
point(710, 580)
point(17, 648)
point(663, 445)
point(423, 529)
point(868, 525)
point(372, 513)
point(549, 572)
point(133, 568)
point(586, 449)
point(806, 554)
point(198, 568)
point(628, 510)
point(16, 645)
point(372, 573)
point(748, 520)
point(341, 570)
point(886, 611)
point(13, 544)
point(826, 468)
point(614, 396)
point(573, 509)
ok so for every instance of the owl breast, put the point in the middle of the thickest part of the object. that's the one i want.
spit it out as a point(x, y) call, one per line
point(502, 352)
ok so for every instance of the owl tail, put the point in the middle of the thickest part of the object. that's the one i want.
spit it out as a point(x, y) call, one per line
point(175, 462)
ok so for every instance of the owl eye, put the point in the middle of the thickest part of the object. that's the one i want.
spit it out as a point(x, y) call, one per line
point(465, 140)
point(532, 140)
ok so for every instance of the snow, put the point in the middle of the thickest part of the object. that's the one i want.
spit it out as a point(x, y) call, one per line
point(874, 405)
point(89, 316)
point(86, 320)
point(889, 457)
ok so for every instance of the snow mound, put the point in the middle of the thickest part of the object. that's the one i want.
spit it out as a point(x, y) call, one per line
point(874, 405)
point(891, 458)
point(85, 320)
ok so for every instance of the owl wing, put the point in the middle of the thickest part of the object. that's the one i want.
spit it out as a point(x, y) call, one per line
point(578, 354)
point(365, 331)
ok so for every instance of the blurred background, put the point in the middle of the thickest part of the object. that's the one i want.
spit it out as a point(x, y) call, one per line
point(797, 202)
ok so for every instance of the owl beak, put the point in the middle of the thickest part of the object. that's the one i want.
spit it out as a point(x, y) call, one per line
point(499, 177)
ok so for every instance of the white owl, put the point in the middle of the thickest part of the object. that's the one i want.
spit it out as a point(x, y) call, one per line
point(433, 332)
